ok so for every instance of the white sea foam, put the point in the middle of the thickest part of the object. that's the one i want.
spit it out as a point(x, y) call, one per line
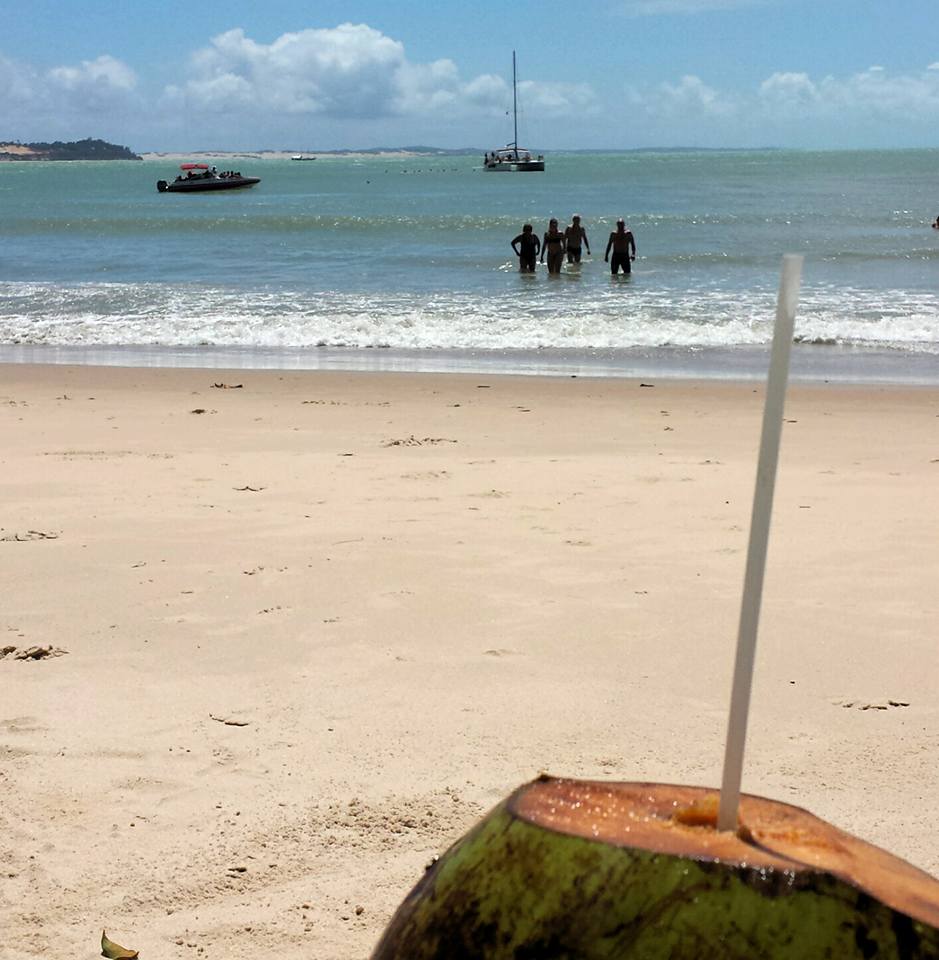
point(564, 315)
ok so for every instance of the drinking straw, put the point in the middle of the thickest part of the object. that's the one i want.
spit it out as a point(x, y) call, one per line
point(759, 536)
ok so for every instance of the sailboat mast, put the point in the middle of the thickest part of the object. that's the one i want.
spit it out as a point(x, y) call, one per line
point(514, 108)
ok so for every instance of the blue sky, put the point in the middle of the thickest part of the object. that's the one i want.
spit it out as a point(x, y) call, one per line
point(325, 75)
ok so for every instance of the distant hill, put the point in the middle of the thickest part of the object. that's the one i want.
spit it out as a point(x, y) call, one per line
point(76, 150)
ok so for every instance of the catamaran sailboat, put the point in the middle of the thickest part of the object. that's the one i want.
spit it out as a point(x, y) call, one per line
point(512, 157)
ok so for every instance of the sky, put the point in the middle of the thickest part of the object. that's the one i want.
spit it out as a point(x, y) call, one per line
point(323, 74)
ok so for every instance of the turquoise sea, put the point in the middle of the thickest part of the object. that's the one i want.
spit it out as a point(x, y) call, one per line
point(405, 263)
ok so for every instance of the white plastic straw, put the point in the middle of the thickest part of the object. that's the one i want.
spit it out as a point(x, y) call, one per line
point(759, 536)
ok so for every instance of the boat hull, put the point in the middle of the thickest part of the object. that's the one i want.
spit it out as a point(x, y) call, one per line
point(522, 166)
point(200, 185)
point(513, 159)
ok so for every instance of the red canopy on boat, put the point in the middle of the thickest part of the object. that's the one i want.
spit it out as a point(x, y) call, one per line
point(193, 166)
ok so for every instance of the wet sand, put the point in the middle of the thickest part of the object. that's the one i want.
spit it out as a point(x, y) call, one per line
point(810, 363)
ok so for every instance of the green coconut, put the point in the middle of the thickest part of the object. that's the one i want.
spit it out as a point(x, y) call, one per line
point(567, 869)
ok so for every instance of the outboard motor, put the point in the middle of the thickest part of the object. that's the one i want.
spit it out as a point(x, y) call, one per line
point(161, 186)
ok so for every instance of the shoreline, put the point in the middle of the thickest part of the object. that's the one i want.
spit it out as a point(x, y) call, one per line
point(289, 155)
point(810, 363)
point(317, 622)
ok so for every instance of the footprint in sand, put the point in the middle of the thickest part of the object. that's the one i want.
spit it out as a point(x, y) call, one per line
point(426, 475)
point(22, 725)
point(870, 705)
point(413, 441)
point(29, 535)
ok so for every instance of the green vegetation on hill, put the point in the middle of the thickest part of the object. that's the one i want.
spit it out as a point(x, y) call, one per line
point(76, 150)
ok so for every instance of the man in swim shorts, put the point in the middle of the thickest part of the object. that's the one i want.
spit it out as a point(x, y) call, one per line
point(526, 246)
point(623, 245)
point(576, 236)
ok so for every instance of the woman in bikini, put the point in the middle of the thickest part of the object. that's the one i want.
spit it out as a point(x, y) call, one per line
point(554, 244)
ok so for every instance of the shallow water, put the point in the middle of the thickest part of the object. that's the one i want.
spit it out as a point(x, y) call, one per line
point(413, 254)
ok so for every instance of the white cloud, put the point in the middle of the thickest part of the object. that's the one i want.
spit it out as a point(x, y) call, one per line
point(352, 84)
point(349, 78)
point(789, 93)
point(349, 72)
point(61, 97)
point(689, 97)
point(554, 99)
point(788, 108)
point(487, 93)
point(341, 71)
point(426, 88)
point(104, 75)
point(102, 86)
point(873, 91)
point(19, 83)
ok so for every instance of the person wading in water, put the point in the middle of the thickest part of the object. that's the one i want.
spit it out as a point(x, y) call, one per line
point(623, 245)
point(526, 246)
point(576, 236)
point(553, 244)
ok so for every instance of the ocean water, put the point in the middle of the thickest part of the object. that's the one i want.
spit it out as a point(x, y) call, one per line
point(342, 255)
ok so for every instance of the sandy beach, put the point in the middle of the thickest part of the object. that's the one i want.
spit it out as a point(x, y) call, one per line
point(314, 624)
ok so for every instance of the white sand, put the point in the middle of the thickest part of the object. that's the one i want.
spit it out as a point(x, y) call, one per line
point(435, 587)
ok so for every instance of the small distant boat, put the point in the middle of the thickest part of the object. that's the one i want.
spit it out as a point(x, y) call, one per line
point(300, 156)
point(200, 177)
point(512, 158)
